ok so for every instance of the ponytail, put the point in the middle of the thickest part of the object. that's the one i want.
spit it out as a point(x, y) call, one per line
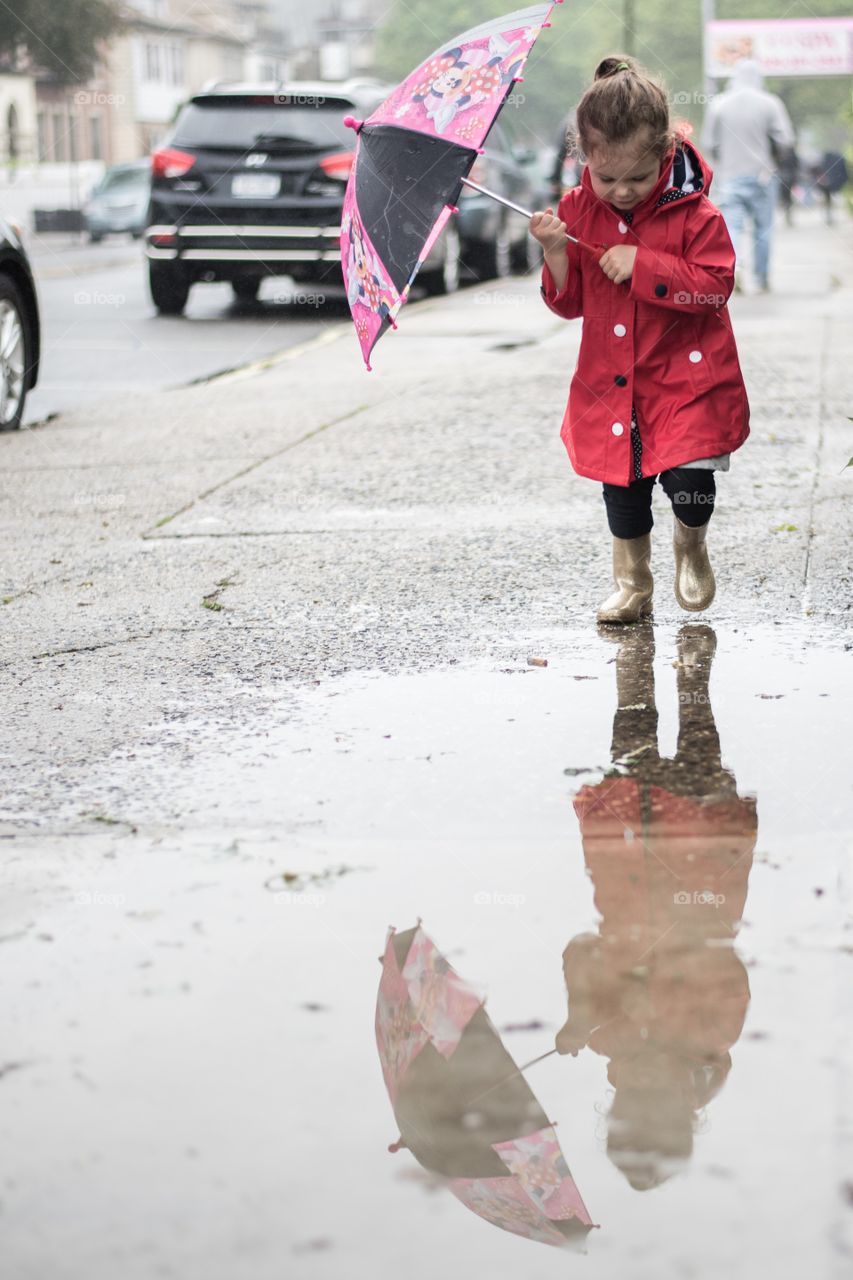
point(621, 101)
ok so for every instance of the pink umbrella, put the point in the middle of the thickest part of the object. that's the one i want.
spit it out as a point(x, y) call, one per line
point(463, 1107)
point(413, 156)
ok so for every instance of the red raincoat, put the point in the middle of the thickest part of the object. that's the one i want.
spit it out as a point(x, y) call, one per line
point(661, 342)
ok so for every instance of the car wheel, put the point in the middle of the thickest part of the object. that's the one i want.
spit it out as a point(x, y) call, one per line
point(246, 290)
point(493, 261)
point(14, 354)
point(446, 280)
point(169, 287)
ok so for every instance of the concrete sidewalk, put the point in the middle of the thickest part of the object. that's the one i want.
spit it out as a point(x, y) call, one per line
point(261, 634)
point(430, 501)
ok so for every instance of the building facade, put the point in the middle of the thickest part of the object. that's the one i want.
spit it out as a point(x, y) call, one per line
point(334, 39)
point(169, 50)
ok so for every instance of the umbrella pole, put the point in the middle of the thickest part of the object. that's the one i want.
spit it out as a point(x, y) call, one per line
point(493, 195)
point(512, 1076)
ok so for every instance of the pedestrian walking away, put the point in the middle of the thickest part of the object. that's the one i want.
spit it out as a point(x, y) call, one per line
point(747, 135)
point(832, 177)
point(658, 391)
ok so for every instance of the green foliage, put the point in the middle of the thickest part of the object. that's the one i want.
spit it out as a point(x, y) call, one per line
point(666, 37)
point(61, 37)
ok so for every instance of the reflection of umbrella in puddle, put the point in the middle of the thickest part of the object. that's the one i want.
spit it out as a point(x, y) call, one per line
point(464, 1109)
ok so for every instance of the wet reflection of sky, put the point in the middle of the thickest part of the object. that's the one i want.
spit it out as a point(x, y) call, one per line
point(247, 978)
point(462, 793)
point(658, 990)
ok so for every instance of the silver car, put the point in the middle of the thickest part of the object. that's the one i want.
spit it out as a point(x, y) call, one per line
point(119, 203)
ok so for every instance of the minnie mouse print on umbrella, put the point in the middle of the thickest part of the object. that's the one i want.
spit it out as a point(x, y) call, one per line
point(413, 156)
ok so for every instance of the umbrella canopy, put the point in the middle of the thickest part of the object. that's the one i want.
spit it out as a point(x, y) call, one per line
point(463, 1107)
point(412, 156)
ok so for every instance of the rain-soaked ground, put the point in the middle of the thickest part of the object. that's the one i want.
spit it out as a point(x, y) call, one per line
point(634, 853)
point(265, 678)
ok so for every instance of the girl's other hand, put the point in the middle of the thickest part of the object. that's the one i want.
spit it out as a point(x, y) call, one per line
point(617, 263)
point(547, 228)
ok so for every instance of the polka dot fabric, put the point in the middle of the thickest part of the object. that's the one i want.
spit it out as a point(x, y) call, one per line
point(669, 196)
point(636, 445)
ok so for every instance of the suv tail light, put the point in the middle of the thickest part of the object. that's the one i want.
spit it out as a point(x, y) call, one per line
point(169, 163)
point(338, 166)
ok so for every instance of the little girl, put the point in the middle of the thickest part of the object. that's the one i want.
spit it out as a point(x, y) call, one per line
point(658, 392)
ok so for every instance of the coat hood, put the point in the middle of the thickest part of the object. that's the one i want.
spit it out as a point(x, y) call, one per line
point(746, 75)
point(684, 174)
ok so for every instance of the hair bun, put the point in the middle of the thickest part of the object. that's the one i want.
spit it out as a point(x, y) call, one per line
point(615, 63)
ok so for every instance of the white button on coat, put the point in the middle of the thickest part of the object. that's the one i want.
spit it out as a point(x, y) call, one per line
point(620, 331)
point(617, 428)
point(623, 227)
point(695, 357)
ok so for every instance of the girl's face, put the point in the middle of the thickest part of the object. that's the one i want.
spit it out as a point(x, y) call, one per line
point(625, 174)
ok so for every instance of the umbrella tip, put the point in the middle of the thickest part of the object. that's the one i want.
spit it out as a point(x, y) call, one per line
point(454, 208)
point(352, 123)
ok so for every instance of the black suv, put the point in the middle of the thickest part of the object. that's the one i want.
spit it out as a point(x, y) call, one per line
point(250, 184)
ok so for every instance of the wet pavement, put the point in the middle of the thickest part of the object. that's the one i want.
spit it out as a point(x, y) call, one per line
point(279, 699)
point(101, 337)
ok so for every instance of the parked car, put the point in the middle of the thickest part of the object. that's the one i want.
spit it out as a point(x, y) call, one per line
point(120, 201)
point(20, 330)
point(493, 240)
point(251, 182)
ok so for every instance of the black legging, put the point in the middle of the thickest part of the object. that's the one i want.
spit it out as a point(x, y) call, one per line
point(691, 491)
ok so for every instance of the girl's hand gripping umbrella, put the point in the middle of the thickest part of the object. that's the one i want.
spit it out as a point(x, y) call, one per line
point(595, 249)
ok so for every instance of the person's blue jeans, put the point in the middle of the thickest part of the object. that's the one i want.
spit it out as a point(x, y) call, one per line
point(747, 199)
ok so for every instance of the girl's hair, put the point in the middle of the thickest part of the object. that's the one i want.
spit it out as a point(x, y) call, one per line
point(622, 100)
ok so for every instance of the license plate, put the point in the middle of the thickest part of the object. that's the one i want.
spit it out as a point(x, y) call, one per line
point(256, 186)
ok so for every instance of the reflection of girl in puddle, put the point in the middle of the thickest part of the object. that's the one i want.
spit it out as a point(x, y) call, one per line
point(660, 990)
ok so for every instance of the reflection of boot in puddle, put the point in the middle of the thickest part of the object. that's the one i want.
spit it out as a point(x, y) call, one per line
point(660, 991)
point(635, 724)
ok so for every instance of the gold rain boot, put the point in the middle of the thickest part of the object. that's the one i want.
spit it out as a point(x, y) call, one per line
point(632, 599)
point(694, 578)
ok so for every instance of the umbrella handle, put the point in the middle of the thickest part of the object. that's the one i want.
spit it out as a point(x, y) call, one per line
point(595, 249)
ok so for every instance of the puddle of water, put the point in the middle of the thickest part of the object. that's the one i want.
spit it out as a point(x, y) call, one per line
point(638, 860)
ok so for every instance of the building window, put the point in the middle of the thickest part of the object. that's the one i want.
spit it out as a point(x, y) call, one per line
point(41, 135)
point(58, 150)
point(13, 141)
point(175, 62)
point(232, 64)
point(163, 63)
point(152, 61)
point(96, 145)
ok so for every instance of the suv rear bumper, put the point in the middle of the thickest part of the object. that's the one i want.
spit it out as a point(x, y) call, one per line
point(265, 248)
